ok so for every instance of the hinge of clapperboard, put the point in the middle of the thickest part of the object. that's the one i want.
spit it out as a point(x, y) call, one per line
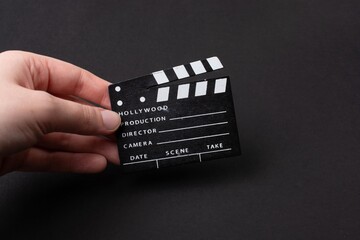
point(186, 71)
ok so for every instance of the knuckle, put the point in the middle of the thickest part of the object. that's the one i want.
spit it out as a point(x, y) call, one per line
point(63, 140)
point(14, 56)
point(11, 52)
point(44, 111)
point(89, 118)
point(46, 102)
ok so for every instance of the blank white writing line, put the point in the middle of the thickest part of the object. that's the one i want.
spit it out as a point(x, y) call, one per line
point(194, 138)
point(179, 156)
point(198, 126)
point(198, 115)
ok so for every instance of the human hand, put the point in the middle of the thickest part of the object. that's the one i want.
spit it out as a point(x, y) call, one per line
point(44, 124)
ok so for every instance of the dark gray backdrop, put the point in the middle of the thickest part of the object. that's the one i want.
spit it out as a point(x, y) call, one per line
point(295, 68)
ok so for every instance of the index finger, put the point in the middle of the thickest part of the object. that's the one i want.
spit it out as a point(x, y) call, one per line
point(59, 77)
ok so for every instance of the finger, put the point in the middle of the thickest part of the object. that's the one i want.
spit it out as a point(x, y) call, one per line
point(58, 115)
point(66, 142)
point(112, 137)
point(41, 160)
point(76, 99)
point(36, 159)
point(59, 77)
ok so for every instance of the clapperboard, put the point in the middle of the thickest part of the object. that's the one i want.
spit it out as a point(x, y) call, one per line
point(165, 123)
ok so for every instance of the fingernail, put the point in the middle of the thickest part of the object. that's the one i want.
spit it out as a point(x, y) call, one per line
point(111, 120)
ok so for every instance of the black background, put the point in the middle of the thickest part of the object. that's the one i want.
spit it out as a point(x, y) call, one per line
point(295, 71)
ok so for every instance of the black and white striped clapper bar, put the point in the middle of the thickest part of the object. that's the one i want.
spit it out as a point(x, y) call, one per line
point(167, 122)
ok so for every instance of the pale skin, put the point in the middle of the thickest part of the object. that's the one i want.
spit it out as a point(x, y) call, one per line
point(44, 124)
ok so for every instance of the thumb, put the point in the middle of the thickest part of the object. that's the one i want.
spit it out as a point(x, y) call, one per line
point(59, 115)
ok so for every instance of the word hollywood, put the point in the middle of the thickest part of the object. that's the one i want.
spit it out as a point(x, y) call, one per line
point(144, 110)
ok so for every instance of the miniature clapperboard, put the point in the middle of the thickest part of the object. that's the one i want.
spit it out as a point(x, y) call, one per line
point(165, 123)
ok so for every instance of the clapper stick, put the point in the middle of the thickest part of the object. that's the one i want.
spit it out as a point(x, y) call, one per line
point(177, 123)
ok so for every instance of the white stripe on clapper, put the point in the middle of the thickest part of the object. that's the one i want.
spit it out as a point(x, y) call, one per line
point(214, 63)
point(183, 91)
point(181, 72)
point(200, 89)
point(160, 77)
point(163, 94)
point(220, 85)
point(198, 67)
